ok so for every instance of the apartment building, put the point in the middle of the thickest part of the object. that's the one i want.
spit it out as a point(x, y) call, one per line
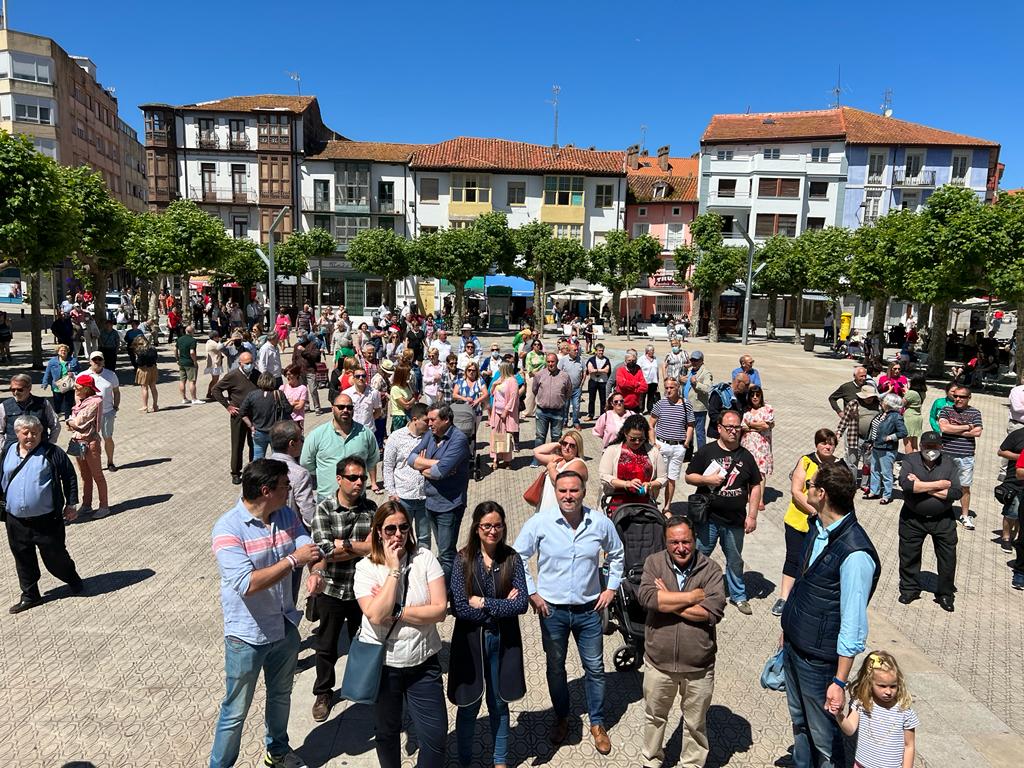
point(57, 101)
point(239, 158)
point(661, 202)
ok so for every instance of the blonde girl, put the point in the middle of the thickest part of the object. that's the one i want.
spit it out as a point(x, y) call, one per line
point(880, 714)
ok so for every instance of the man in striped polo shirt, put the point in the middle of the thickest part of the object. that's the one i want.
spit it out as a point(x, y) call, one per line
point(960, 425)
point(672, 420)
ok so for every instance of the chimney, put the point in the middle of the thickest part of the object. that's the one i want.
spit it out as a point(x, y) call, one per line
point(632, 157)
point(663, 158)
point(644, 153)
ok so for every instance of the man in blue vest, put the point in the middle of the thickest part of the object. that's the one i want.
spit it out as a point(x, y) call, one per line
point(825, 621)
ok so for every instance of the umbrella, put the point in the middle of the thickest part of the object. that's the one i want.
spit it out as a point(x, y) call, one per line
point(646, 293)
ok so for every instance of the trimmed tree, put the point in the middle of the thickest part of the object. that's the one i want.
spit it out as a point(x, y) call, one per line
point(879, 265)
point(457, 255)
point(1005, 271)
point(148, 248)
point(715, 266)
point(381, 252)
point(783, 272)
point(39, 224)
point(618, 264)
point(197, 241)
point(827, 252)
point(531, 262)
point(242, 264)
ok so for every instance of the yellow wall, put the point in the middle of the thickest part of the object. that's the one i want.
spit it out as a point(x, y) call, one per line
point(467, 210)
point(563, 214)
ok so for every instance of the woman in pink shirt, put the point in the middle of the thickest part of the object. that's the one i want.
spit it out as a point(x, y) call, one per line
point(282, 327)
point(894, 381)
point(610, 422)
point(432, 370)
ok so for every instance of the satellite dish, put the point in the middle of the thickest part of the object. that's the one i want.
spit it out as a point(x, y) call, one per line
point(888, 113)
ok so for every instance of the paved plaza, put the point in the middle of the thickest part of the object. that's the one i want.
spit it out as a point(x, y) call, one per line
point(130, 672)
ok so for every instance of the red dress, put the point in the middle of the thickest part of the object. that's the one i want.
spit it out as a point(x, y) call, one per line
point(632, 466)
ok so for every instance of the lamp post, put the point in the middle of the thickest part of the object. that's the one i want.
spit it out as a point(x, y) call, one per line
point(268, 260)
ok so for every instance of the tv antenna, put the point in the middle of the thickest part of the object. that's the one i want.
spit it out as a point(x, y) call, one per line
point(643, 137)
point(553, 101)
point(886, 106)
point(298, 81)
point(3, 14)
point(838, 90)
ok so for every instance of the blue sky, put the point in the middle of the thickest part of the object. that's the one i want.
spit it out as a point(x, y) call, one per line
point(421, 72)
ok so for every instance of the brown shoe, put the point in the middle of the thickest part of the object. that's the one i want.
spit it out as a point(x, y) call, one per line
point(560, 730)
point(322, 706)
point(601, 741)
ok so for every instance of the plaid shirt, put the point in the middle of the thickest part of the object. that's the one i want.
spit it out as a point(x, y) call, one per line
point(445, 386)
point(849, 424)
point(332, 521)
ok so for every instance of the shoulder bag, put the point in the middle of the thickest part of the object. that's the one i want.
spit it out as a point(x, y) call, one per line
point(14, 474)
point(535, 492)
point(365, 663)
point(698, 505)
point(65, 383)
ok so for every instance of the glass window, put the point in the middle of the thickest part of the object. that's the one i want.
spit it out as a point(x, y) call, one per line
point(876, 167)
point(471, 188)
point(429, 190)
point(641, 229)
point(563, 190)
point(27, 67)
point(772, 153)
point(568, 231)
point(604, 196)
point(674, 236)
point(240, 227)
point(347, 227)
point(961, 162)
point(353, 184)
point(817, 189)
point(819, 154)
point(273, 129)
point(815, 222)
point(727, 187)
point(322, 222)
point(724, 154)
point(517, 193)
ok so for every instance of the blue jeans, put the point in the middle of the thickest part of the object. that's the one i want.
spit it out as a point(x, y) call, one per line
point(881, 472)
point(731, 537)
point(242, 666)
point(445, 527)
point(422, 691)
point(260, 441)
point(700, 419)
point(574, 406)
point(548, 420)
point(585, 626)
point(817, 740)
point(417, 509)
point(497, 710)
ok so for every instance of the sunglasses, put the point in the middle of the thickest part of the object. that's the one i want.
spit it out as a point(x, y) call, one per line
point(491, 526)
point(567, 444)
point(358, 375)
point(391, 530)
point(344, 407)
point(729, 427)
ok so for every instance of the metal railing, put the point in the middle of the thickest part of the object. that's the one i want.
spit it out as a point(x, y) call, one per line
point(158, 134)
point(222, 195)
point(958, 181)
point(238, 141)
point(876, 180)
point(208, 140)
point(271, 140)
point(317, 204)
point(920, 179)
point(276, 194)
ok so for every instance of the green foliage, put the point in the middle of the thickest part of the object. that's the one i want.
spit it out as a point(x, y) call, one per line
point(380, 252)
point(560, 259)
point(148, 246)
point(242, 264)
point(827, 253)
point(494, 225)
point(715, 266)
point(785, 268)
point(196, 240)
point(106, 224)
point(294, 255)
point(1005, 269)
point(618, 262)
point(883, 254)
point(527, 240)
point(454, 254)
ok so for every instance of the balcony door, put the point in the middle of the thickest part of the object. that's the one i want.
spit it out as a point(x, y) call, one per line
point(914, 165)
point(386, 196)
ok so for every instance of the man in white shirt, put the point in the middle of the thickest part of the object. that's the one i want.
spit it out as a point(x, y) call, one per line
point(268, 359)
point(402, 482)
point(366, 400)
point(1015, 421)
point(109, 389)
point(441, 344)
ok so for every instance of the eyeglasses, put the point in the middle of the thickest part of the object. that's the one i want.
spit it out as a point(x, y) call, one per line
point(344, 407)
point(635, 438)
point(355, 478)
point(491, 526)
point(955, 397)
point(729, 427)
point(568, 444)
point(618, 402)
point(391, 530)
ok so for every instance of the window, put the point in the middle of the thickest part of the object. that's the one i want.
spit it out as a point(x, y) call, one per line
point(471, 188)
point(46, 147)
point(321, 195)
point(353, 184)
point(674, 236)
point(275, 177)
point(516, 193)
point(208, 173)
point(778, 187)
point(600, 238)
point(769, 224)
point(273, 129)
point(914, 164)
point(238, 182)
point(676, 211)
point(33, 112)
point(817, 190)
point(386, 196)
point(428, 230)
point(641, 229)
point(815, 222)
point(239, 227)
point(386, 222)
point(727, 187)
point(660, 190)
point(728, 228)
point(374, 293)
point(724, 154)
point(322, 222)
point(910, 201)
point(641, 212)
point(563, 190)
point(347, 227)
point(961, 164)
point(428, 191)
point(772, 153)
point(237, 135)
point(876, 167)
point(568, 231)
point(819, 154)
point(460, 223)
point(34, 68)
point(604, 196)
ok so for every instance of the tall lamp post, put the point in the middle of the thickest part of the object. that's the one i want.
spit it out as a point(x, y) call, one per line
point(268, 260)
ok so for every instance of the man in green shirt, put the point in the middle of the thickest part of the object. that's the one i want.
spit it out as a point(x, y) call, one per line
point(188, 365)
point(938, 405)
point(335, 440)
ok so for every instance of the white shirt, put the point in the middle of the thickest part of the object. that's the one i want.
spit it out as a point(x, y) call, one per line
point(1017, 403)
point(268, 359)
point(465, 359)
point(106, 383)
point(443, 348)
point(363, 405)
point(408, 645)
point(649, 366)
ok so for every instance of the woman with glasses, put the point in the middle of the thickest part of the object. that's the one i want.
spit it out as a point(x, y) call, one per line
point(470, 389)
point(884, 433)
point(489, 594)
point(504, 418)
point(400, 583)
point(564, 456)
point(632, 468)
point(468, 357)
point(758, 424)
point(296, 393)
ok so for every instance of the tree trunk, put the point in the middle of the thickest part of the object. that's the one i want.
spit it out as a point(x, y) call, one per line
point(37, 321)
point(879, 311)
point(186, 303)
point(614, 314)
point(769, 325)
point(153, 310)
point(716, 297)
point(538, 304)
point(924, 312)
point(1019, 333)
point(144, 290)
point(459, 310)
point(798, 318)
point(937, 340)
point(99, 290)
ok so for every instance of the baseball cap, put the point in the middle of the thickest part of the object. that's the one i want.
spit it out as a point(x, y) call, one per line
point(97, 355)
point(696, 355)
point(930, 438)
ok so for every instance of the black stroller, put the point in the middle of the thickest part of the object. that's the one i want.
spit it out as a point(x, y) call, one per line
point(465, 421)
point(642, 530)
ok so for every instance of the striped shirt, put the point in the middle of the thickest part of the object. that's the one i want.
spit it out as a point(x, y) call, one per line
point(242, 544)
point(959, 445)
point(672, 420)
point(880, 739)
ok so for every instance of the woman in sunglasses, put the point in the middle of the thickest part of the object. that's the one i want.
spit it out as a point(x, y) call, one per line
point(563, 456)
point(632, 468)
point(401, 583)
point(488, 595)
point(610, 422)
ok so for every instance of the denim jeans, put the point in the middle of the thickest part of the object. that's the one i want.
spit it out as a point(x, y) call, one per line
point(417, 509)
point(260, 442)
point(585, 626)
point(817, 740)
point(497, 710)
point(421, 690)
point(731, 537)
point(243, 664)
point(445, 527)
point(700, 419)
point(573, 408)
point(881, 472)
point(548, 420)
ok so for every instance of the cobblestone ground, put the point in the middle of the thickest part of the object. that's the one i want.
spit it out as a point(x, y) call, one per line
point(130, 673)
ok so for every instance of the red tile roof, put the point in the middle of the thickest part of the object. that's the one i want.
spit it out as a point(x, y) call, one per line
point(297, 104)
point(377, 151)
point(679, 189)
point(854, 125)
point(516, 156)
point(677, 166)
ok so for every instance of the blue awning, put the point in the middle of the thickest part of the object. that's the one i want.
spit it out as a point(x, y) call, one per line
point(519, 286)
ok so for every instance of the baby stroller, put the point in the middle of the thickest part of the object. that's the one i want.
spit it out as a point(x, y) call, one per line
point(465, 421)
point(642, 530)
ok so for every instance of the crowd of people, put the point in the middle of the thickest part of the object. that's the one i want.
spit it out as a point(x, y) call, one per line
point(355, 509)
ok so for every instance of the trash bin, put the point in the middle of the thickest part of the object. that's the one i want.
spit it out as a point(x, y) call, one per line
point(845, 324)
point(808, 342)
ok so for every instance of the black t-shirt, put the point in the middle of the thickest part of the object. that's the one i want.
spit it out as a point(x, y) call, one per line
point(414, 341)
point(1013, 442)
point(729, 500)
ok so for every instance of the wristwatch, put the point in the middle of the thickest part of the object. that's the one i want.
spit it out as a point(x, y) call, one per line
point(347, 544)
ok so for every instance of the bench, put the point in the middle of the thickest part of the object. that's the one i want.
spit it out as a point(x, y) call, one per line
point(652, 330)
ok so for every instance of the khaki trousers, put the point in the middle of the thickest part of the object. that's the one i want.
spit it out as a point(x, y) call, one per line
point(694, 690)
point(531, 398)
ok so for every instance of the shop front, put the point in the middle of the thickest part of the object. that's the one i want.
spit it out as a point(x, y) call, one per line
point(337, 283)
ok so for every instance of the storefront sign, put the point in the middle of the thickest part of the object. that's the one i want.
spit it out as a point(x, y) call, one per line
point(663, 279)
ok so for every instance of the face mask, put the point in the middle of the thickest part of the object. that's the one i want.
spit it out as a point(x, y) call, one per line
point(675, 350)
point(931, 454)
point(495, 355)
point(247, 368)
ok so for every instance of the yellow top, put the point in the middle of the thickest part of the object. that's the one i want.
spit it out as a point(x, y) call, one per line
point(795, 517)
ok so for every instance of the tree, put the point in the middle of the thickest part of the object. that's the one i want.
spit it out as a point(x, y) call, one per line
point(148, 248)
point(381, 252)
point(827, 253)
point(242, 264)
point(293, 257)
point(531, 262)
point(458, 255)
point(879, 264)
point(105, 227)
point(196, 240)
point(1005, 270)
point(618, 263)
point(783, 272)
point(38, 222)
point(715, 266)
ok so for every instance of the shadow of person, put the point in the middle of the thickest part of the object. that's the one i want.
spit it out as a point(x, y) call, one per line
point(144, 463)
point(103, 583)
point(140, 502)
point(758, 587)
point(348, 731)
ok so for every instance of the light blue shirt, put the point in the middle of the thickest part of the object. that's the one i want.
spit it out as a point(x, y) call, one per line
point(681, 574)
point(568, 560)
point(855, 575)
point(31, 493)
point(753, 375)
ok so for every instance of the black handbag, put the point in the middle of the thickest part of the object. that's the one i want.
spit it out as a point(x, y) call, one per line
point(698, 505)
point(1007, 490)
point(365, 663)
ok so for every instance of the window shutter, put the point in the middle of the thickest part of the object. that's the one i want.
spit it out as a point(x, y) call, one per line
point(789, 187)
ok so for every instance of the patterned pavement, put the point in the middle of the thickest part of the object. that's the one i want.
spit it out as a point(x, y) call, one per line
point(130, 673)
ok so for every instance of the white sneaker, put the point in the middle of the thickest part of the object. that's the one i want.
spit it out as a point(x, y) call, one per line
point(967, 523)
point(101, 513)
point(186, 402)
point(197, 402)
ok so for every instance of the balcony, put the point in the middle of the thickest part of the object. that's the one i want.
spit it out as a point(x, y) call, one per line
point(222, 195)
point(356, 204)
point(918, 180)
point(208, 140)
point(276, 195)
point(238, 141)
point(317, 204)
point(386, 206)
point(274, 141)
point(876, 180)
point(958, 181)
point(158, 136)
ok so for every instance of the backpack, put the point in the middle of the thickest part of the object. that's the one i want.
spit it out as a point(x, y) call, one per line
point(724, 390)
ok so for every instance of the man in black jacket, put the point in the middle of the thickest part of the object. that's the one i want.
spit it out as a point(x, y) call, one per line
point(848, 391)
point(35, 517)
point(22, 402)
point(230, 391)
